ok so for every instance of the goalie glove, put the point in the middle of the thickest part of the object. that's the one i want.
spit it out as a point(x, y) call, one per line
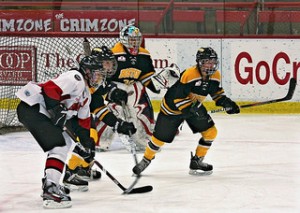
point(118, 96)
point(123, 127)
point(167, 77)
point(230, 106)
point(58, 115)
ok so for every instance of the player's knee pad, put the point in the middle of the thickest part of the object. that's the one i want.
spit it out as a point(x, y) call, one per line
point(76, 161)
point(210, 134)
point(94, 134)
point(155, 144)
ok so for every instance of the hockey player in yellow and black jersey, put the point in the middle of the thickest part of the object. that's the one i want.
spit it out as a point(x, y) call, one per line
point(183, 101)
point(134, 72)
point(134, 62)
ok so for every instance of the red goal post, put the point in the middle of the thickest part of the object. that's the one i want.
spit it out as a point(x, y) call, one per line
point(38, 57)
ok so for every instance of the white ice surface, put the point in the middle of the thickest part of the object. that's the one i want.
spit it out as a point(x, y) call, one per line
point(256, 162)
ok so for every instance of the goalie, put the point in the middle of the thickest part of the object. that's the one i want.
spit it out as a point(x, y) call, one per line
point(134, 75)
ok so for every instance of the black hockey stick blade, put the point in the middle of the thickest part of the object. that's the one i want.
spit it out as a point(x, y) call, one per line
point(140, 190)
point(292, 87)
point(143, 189)
point(129, 190)
point(289, 95)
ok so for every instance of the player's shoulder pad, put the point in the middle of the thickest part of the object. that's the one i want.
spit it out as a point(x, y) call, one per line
point(216, 76)
point(143, 51)
point(75, 76)
point(118, 48)
point(189, 75)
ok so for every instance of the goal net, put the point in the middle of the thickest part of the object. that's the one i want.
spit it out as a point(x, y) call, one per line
point(25, 58)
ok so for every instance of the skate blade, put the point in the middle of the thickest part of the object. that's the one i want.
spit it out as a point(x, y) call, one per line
point(89, 178)
point(200, 172)
point(73, 188)
point(51, 204)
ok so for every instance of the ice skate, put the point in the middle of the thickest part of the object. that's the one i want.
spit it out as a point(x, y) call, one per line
point(141, 166)
point(198, 167)
point(54, 197)
point(74, 182)
point(88, 173)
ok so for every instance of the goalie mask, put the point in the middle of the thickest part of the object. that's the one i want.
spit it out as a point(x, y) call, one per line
point(131, 38)
point(207, 60)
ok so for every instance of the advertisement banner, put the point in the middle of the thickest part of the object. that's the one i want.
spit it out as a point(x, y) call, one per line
point(252, 69)
point(33, 21)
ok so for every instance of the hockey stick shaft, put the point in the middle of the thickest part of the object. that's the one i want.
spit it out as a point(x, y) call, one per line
point(130, 189)
point(289, 95)
point(86, 47)
point(72, 56)
point(132, 144)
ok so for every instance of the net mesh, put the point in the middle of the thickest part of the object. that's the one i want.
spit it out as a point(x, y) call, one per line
point(27, 58)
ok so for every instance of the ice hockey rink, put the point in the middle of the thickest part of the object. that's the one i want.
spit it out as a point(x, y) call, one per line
point(256, 162)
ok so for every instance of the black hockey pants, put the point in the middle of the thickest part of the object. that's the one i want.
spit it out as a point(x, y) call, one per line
point(40, 126)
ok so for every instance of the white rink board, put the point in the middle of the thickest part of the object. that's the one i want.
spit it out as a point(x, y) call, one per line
point(262, 61)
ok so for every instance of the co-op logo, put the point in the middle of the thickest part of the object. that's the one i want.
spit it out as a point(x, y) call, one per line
point(14, 60)
point(281, 68)
point(17, 65)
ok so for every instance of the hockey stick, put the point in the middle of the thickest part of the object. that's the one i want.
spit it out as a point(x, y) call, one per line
point(289, 95)
point(72, 56)
point(130, 189)
point(86, 47)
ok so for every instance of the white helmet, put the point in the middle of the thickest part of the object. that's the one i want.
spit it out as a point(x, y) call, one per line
point(131, 38)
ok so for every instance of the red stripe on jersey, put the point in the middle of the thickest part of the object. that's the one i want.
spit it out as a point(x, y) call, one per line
point(52, 90)
point(85, 123)
point(55, 163)
point(85, 101)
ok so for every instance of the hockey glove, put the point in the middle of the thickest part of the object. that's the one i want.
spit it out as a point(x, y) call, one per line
point(87, 154)
point(123, 127)
point(195, 111)
point(118, 96)
point(89, 145)
point(230, 106)
point(58, 115)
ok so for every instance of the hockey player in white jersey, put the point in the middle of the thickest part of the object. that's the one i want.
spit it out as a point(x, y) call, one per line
point(46, 108)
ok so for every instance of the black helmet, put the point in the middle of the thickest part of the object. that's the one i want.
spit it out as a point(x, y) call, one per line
point(104, 54)
point(90, 67)
point(205, 54)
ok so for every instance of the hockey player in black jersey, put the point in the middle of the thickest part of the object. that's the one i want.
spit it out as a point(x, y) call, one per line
point(183, 101)
point(134, 72)
point(78, 171)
